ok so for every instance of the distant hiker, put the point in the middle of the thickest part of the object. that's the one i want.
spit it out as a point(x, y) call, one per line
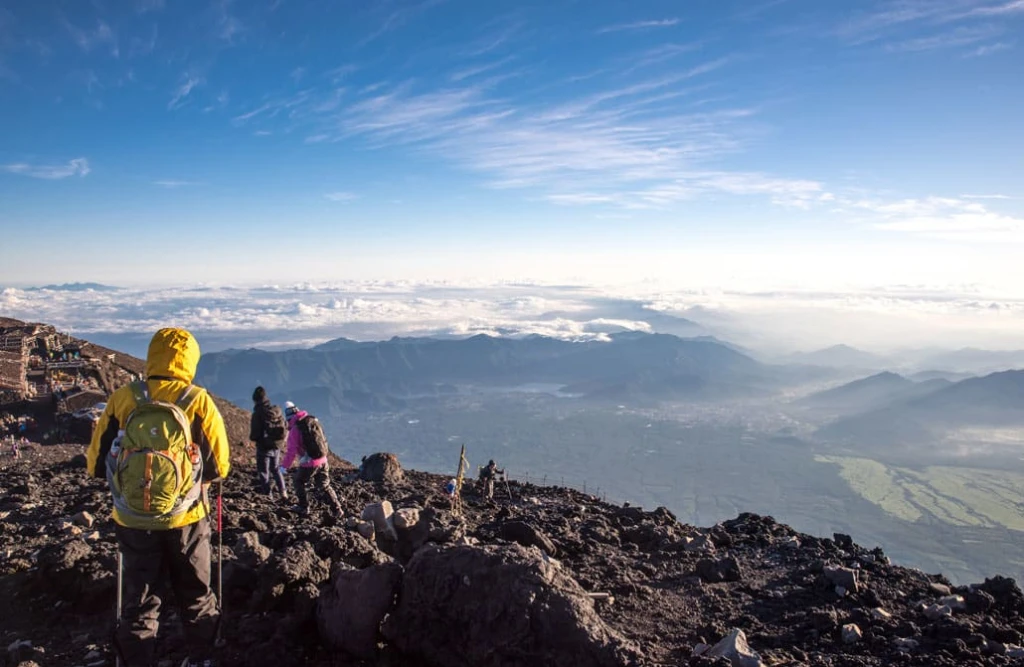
point(487, 475)
point(449, 489)
point(268, 431)
point(15, 449)
point(160, 442)
point(307, 442)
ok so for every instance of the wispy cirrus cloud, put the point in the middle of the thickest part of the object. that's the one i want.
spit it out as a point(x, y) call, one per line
point(989, 49)
point(957, 219)
point(188, 83)
point(961, 36)
point(397, 18)
point(892, 23)
point(87, 40)
point(171, 184)
point(341, 196)
point(476, 70)
point(617, 147)
point(638, 25)
point(76, 167)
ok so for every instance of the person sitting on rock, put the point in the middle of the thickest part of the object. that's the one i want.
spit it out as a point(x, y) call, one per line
point(268, 431)
point(159, 464)
point(306, 442)
point(487, 475)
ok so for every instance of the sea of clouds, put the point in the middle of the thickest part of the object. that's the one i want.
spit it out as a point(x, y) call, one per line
point(305, 314)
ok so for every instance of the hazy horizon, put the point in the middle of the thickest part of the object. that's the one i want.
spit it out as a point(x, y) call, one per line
point(891, 321)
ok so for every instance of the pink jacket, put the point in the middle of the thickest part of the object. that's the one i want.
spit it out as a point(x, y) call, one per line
point(295, 447)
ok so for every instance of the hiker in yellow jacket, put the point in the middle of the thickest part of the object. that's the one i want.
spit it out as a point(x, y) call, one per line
point(159, 465)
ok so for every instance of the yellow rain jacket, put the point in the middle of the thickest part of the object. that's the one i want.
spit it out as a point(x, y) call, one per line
point(170, 366)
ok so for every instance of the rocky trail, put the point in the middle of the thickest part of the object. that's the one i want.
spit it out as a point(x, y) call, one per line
point(551, 577)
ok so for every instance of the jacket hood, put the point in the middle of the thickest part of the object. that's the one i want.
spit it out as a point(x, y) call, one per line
point(173, 353)
point(296, 417)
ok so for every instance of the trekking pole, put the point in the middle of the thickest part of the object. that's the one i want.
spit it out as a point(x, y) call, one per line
point(117, 620)
point(504, 478)
point(218, 641)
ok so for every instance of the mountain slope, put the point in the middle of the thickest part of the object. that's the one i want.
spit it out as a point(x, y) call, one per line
point(402, 367)
point(870, 393)
point(992, 401)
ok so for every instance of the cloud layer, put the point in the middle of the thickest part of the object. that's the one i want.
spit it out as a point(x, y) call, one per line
point(306, 314)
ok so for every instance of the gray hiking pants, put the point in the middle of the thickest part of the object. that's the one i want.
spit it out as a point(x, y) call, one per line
point(318, 481)
point(155, 560)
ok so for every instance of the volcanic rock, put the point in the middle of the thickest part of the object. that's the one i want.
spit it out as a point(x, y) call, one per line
point(499, 606)
point(352, 607)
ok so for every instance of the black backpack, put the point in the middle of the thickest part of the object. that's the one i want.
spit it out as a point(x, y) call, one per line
point(274, 427)
point(313, 439)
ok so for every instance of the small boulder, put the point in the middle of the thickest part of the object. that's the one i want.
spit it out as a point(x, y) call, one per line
point(734, 648)
point(381, 515)
point(715, 570)
point(852, 633)
point(905, 644)
point(527, 535)
point(939, 589)
point(954, 602)
point(381, 467)
point(406, 517)
point(934, 612)
point(83, 519)
point(842, 576)
point(365, 528)
point(250, 551)
point(880, 614)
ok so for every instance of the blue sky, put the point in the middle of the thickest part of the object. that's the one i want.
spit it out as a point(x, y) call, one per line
point(761, 142)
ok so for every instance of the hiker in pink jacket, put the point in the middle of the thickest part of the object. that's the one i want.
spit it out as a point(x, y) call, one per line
point(314, 474)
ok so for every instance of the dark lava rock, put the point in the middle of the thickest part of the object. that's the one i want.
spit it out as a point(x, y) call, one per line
point(528, 536)
point(351, 609)
point(381, 467)
point(499, 606)
point(716, 570)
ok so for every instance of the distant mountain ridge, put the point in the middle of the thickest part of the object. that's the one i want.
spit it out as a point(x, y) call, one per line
point(631, 364)
point(840, 356)
point(870, 393)
point(75, 287)
point(992, 401)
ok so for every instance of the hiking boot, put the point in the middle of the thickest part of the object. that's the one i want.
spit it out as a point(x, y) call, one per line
point(189, 662)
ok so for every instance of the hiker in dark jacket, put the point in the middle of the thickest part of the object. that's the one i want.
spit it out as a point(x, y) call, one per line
point(487, 476)
point(314, 474)
point(268, 432)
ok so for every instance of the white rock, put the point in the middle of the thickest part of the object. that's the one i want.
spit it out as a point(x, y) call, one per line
point(852, 633)
point(1014, 651)
point(954, 602)
point(934, 612)
point(407, 517)
point(880, 614)
point(381, 514)
point(735, 649)
point(700, 649)
point(905, 644)
point(84, 519)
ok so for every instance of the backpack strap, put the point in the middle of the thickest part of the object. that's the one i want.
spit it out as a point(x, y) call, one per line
point(140, 390)
point(190, 394)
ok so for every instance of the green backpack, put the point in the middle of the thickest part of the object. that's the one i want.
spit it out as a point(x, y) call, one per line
point(154, 469)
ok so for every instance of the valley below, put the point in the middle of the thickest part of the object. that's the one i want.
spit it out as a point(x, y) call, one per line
point(708, 463)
